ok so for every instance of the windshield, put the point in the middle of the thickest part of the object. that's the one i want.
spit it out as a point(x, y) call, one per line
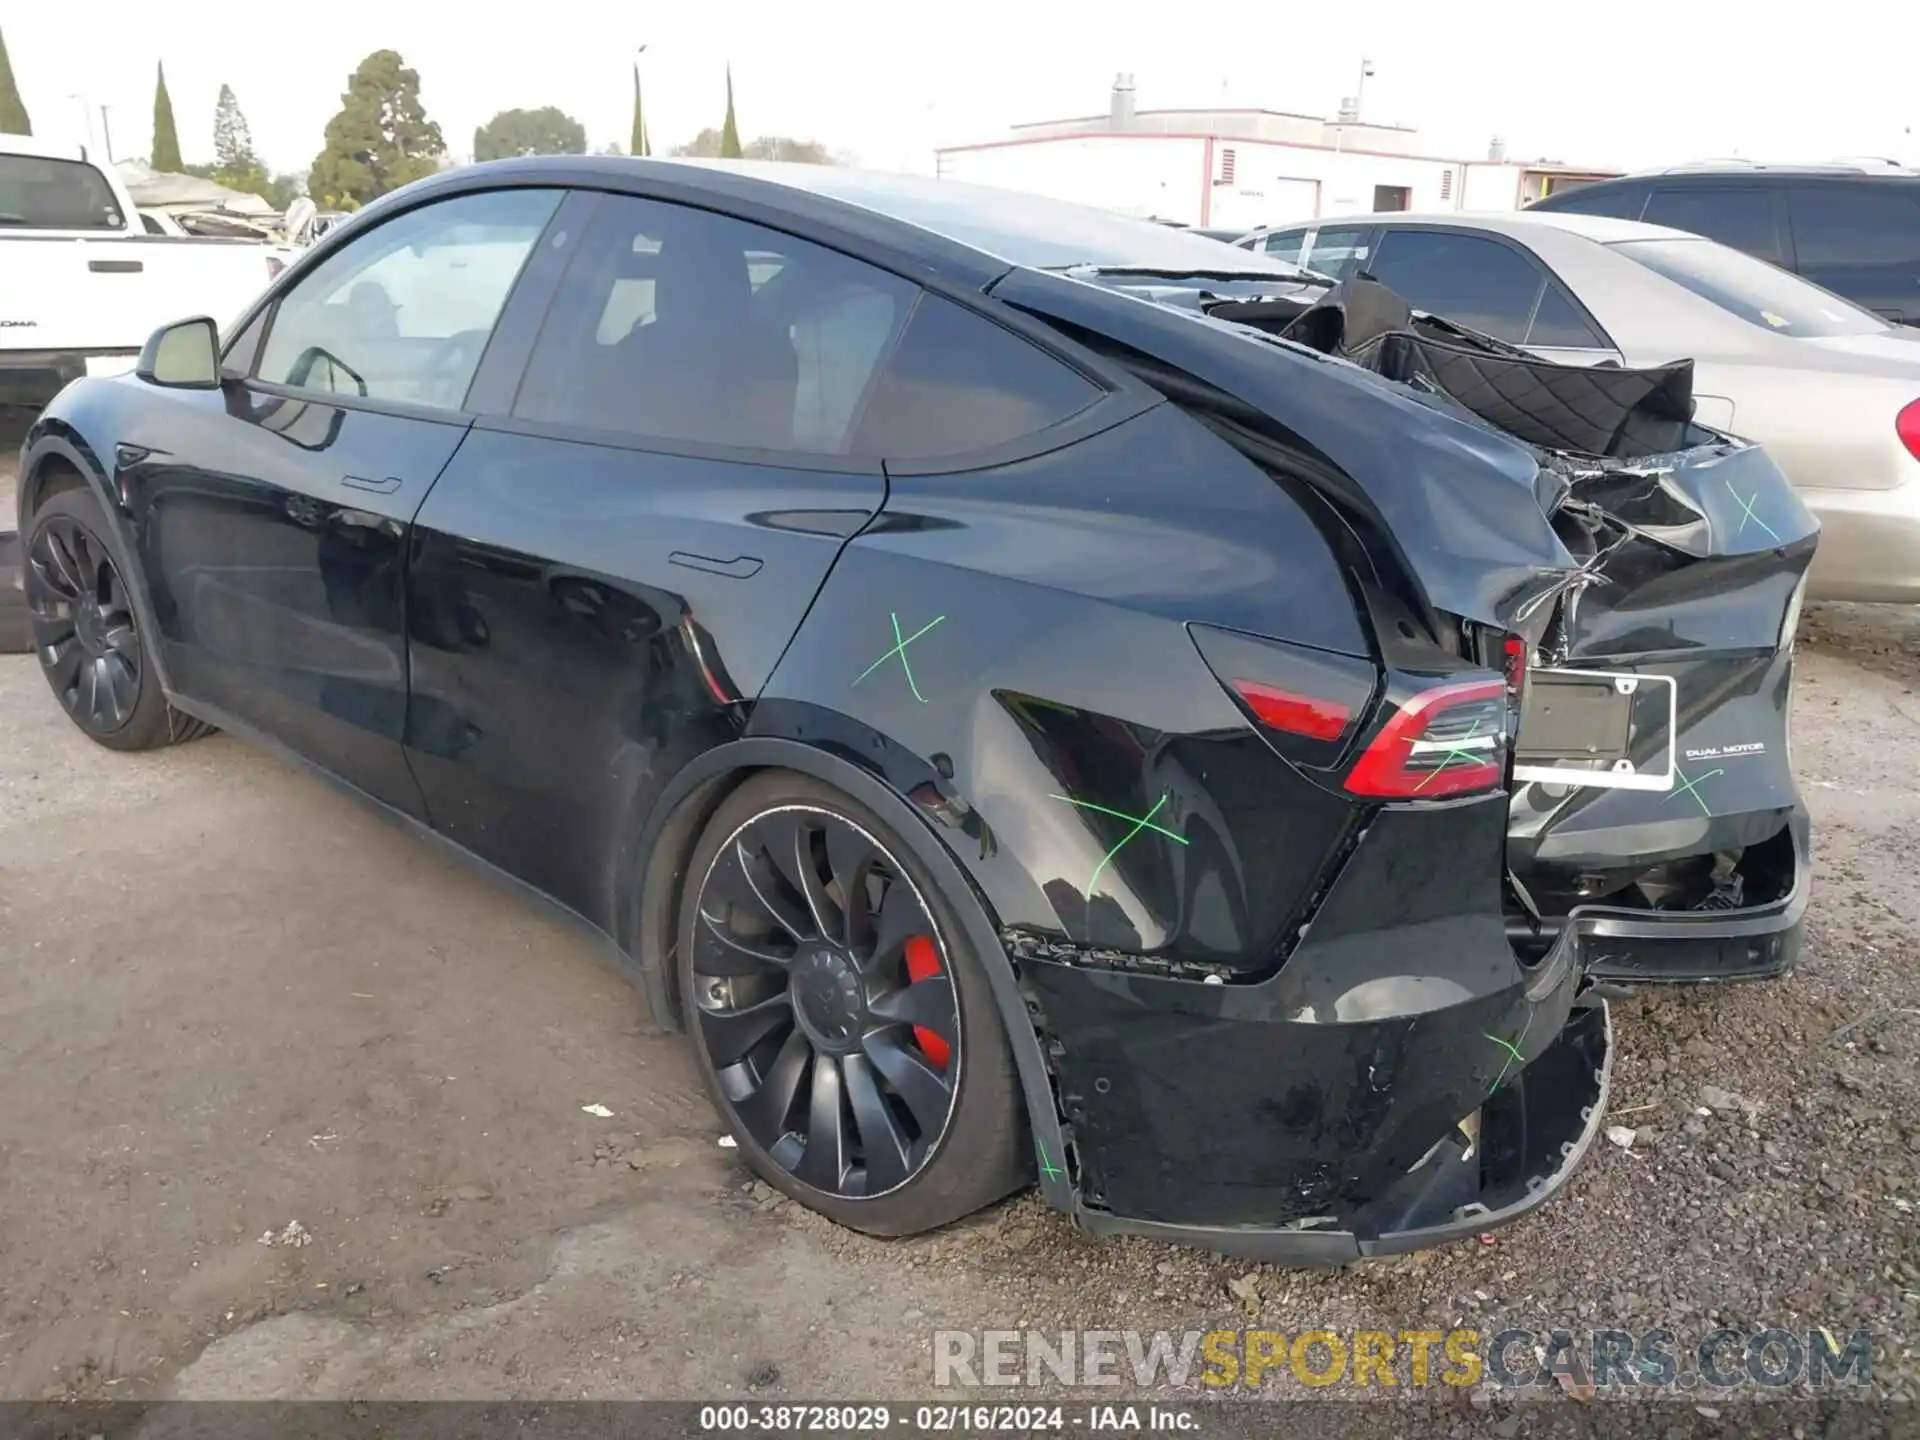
point(41, 194)
point(1752, 289)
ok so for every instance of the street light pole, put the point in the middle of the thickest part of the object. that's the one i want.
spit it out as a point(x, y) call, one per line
point(86, 117)
point(106, 131)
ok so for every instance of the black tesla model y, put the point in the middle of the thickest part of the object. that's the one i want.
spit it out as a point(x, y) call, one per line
point(1031, 693)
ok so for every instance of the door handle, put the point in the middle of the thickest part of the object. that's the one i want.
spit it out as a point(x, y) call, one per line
point(115, 267)
point(741, 567)
point(379, 487)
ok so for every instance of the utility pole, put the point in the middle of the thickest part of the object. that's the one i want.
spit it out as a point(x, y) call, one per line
point(106, 131)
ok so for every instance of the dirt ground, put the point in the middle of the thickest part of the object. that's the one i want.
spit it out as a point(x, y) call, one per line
point(236, 1008)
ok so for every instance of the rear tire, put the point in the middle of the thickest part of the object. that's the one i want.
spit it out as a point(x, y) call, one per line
point(833, 1001)
point(87, 633)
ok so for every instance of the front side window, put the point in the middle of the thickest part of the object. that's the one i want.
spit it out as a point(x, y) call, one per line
point(1469, 279)
point(679, 324)
point(1751, 289)
point(1621, 202)
point(404, 312)
point(42, 194)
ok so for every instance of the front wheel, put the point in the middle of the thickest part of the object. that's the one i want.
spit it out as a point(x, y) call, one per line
point(844, 1028)
point(87, 633)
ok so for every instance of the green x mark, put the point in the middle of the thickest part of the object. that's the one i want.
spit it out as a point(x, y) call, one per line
point(1691, 787)
point(1047, 1167)
point(900, 649)
point(1140, 822)
point(1514, 1057)
point(1746, 513)
point(1455, 752)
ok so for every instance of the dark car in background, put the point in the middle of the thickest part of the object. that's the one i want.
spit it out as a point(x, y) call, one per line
point(1853, 229)
point(1030, 692)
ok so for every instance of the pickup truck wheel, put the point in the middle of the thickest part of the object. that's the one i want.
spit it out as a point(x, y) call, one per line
point(844, 1028)
point(86, 632)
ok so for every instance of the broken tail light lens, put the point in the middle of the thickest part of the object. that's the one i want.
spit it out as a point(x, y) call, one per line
point(1446, 741)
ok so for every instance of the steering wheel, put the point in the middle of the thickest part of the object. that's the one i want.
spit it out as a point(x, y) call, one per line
point(452, 363)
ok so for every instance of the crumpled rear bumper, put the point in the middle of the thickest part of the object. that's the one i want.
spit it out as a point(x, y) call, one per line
point(1534, 1132)
point(1535, 1124)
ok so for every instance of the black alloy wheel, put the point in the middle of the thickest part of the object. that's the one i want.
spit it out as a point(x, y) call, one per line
point(86, 630)
point(825, 1001)
point(83, 625)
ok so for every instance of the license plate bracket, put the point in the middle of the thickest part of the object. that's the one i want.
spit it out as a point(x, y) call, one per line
point(1597, 728)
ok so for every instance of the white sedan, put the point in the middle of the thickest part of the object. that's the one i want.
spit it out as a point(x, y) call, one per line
point(1831, 390)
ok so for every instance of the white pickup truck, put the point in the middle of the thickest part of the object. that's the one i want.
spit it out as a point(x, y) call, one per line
point(82, 282)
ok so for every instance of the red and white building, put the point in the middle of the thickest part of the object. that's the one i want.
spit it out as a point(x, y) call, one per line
point(1242, 169)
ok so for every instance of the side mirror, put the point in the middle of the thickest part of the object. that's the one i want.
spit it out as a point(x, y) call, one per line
point(184, 355)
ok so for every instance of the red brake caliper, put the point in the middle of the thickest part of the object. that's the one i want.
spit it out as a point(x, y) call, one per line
point(923, 963)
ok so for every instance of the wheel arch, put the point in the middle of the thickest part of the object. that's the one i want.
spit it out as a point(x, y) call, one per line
point(56, 458)
point(649, 912)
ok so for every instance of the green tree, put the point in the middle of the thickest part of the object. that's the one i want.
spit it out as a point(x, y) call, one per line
point(166, 138)
point(639, 144)
point(285, 188)
point(380, 140)
point(708, 144)
point(546, 131)
point(13, 114)
point(730, 129)
point(234, 163)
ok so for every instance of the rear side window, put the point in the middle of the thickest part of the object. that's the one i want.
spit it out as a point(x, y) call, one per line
point(1746, 219)
point(1559, 325)
point(42, 194)
point(1468, 279)
point(1621, 202)
point(679, 324)
point(1865, 224)
point(957, 382)
point(1285, 245)
point(1336, 252)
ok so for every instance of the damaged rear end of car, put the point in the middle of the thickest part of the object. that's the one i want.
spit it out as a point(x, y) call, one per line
point(1559, 757)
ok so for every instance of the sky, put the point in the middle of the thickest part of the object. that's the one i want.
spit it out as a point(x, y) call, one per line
point(887, 83)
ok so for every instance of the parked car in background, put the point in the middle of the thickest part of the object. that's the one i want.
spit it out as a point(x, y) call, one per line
point(1853, 229)
point(1016, 715)
point(83, 282)
point(1831, 390)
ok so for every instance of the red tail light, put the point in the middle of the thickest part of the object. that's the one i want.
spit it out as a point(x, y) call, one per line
point(1513, 655)
point(1307, 715)
point(1907, 426)
point(1451, 740)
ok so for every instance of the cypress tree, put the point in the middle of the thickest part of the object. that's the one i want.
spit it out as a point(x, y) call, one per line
point(13, 114)
point(166, 139)
point(638, 145)
point(730, 130)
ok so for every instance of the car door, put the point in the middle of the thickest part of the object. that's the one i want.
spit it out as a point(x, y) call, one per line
point(1491, 284)
point(1861, 239)
point(621, 550)
point(272, 513)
